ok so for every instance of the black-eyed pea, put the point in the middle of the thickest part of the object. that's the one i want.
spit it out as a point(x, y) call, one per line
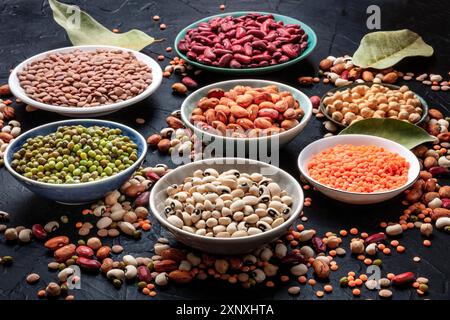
point(226, 212)
point(250, 200)
point(263, 226)
point(206, 215)
point(201, 232)
point(274, 189)
point(277, 222)
point(224, 221)
point(237, 206)
point(273, 213)
point(261, 212)
point(242, 226)
point(216, 214)
point(201, 224)
point(219, 228)
point(277, 205)
point(252, 219)
point(188, 229)
point(232, 227)
point(239, 234)
point(187, 219)
point(229, 182)
point(238, 193)
point(226, 197)
point(223, 234)
point(211, 172)
point(256, 177)
point(267, 219)
point(211, 222)
point(176, 221)
point(252, 231)
point(254, 190)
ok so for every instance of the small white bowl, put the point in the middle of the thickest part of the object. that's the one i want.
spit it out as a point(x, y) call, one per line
point(226, 245)
point(283, 138)
point(76, 112)
point(358, 139)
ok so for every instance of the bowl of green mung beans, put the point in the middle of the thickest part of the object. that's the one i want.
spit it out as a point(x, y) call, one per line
point(75, 161)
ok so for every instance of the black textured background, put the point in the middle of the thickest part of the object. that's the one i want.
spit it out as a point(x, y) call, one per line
point(27, 28)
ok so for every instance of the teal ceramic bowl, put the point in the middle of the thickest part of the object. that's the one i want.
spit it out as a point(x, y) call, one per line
point(312, 42)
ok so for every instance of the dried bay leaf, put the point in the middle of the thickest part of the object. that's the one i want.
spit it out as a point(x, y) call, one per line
point(402, 132)
point(82, 29)
point(383, 49)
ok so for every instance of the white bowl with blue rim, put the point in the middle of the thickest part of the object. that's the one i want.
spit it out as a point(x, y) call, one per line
point(82, 192)
point(273, 141)
point(358, 140)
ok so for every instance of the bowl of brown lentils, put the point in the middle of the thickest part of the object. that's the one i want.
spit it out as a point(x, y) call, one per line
point(75, 161)
point(86, 80)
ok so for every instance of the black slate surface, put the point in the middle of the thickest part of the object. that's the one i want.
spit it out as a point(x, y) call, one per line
point(27, 28)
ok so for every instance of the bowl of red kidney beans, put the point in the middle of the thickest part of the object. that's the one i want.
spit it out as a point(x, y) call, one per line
point(245, 42)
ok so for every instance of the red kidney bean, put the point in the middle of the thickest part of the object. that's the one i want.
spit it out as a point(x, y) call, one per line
point(39, 232)
point(88, 264)
point(318, 244)
point(144, 274)
point(375, 238)
point(403, 278)
point(152, 176)
point(225, 60)
point(84, 251)
point(242, 58)
point(209, 53)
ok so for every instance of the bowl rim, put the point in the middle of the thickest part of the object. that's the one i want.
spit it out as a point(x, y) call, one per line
point(18, 91)
point(322, 106)
point(163, 221)
point(305, 119)
point(409, 183)
point(106, 123)
point(277, 16)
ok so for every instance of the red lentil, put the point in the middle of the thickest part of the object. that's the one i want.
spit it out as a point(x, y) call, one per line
point(359, 168)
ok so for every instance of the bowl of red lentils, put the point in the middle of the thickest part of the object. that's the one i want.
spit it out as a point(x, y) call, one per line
point(358, 169)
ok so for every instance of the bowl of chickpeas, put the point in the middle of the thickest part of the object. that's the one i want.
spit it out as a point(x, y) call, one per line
point(348, 104)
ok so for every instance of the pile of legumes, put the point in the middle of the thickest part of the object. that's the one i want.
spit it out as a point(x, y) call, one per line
point(249, 41)
point(376, 101)
point(359, 168)
point(247, 112)
point(231, 204)
point(75, 154)
point(85, 78)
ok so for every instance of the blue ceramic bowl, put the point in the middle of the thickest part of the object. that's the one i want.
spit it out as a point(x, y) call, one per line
point(82, 192)
point(312, 42)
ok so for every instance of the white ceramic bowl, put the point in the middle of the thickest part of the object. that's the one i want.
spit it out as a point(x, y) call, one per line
point(358, 139)
point(226, 245)
point(18, 91)
point(283, 138)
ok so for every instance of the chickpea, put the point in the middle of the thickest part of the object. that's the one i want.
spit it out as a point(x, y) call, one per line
point(414, 117)
point(366, 113)
point(392, 113)
point(337, 116)
point(404, 88)
point(380, 114)
point(394, 106)
point(349, 117)
point(338, 104)
point(403, 115)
